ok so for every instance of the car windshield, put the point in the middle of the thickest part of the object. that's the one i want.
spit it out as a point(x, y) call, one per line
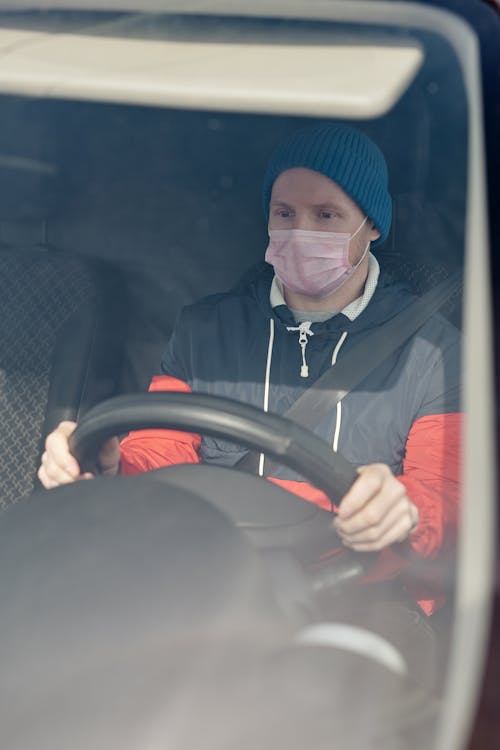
point(277, 211)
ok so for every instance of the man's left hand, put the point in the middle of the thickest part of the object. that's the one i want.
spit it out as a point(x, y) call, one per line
point(376, 512)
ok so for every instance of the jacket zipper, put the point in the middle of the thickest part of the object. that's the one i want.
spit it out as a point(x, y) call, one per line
point(304, 330)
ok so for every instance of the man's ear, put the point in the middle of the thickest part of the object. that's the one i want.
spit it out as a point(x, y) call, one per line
point(374, 232)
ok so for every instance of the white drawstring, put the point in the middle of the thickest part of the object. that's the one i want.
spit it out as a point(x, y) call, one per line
point(304, 330)
point(339, 403)
point(266, 383)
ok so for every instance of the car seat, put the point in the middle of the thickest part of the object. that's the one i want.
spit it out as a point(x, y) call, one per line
point(60, 351)
point(61, 312)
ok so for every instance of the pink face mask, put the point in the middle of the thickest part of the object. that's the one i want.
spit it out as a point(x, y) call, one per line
point(312, 263)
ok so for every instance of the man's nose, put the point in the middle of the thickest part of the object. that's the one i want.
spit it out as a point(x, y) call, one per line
point(302, 222)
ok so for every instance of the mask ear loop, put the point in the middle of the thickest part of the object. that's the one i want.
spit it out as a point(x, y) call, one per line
point(362, 257)
point(367, 244)
point(358, 229)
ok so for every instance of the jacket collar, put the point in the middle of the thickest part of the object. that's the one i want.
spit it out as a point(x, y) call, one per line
point(352, 310)
point(388, 298)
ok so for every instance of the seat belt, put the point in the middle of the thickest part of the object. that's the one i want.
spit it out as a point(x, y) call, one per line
point(355, 366)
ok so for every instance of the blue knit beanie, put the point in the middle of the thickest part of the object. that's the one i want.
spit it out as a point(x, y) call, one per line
point(345, 155)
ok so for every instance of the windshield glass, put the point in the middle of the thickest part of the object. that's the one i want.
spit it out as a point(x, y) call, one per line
point(276, 227)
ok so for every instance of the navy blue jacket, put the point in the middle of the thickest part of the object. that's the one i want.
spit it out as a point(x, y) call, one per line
point(235, 345)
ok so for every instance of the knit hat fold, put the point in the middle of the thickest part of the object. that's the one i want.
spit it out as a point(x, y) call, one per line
point(345, 155)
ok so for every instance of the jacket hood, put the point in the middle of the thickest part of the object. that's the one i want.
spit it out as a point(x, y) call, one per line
point(388, 300)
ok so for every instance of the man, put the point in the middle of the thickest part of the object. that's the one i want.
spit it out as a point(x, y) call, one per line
point(326, 200)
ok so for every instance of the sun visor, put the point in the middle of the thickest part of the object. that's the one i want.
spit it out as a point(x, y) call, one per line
point(293, 71)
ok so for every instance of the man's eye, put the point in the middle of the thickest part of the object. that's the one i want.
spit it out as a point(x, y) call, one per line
point(327, 215)
point(284, 213)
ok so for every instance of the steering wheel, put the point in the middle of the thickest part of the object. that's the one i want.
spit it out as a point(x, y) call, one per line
point(271, 516)
point(285, 441)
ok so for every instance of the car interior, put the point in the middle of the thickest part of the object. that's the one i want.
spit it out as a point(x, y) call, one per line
point(113, 216)
point(127, 214)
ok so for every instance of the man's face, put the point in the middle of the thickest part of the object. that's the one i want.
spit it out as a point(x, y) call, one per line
point(307, 200)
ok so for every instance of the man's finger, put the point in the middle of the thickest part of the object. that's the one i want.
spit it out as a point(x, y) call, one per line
point(53, 476)
point(388, 503)
point(372, 534)
point(57, 454)
point(369, 483)
point(397, 533)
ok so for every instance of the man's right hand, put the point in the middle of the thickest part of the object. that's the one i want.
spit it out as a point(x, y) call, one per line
point(58, 466)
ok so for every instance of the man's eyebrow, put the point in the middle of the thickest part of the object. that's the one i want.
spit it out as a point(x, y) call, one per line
point(330, 204)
